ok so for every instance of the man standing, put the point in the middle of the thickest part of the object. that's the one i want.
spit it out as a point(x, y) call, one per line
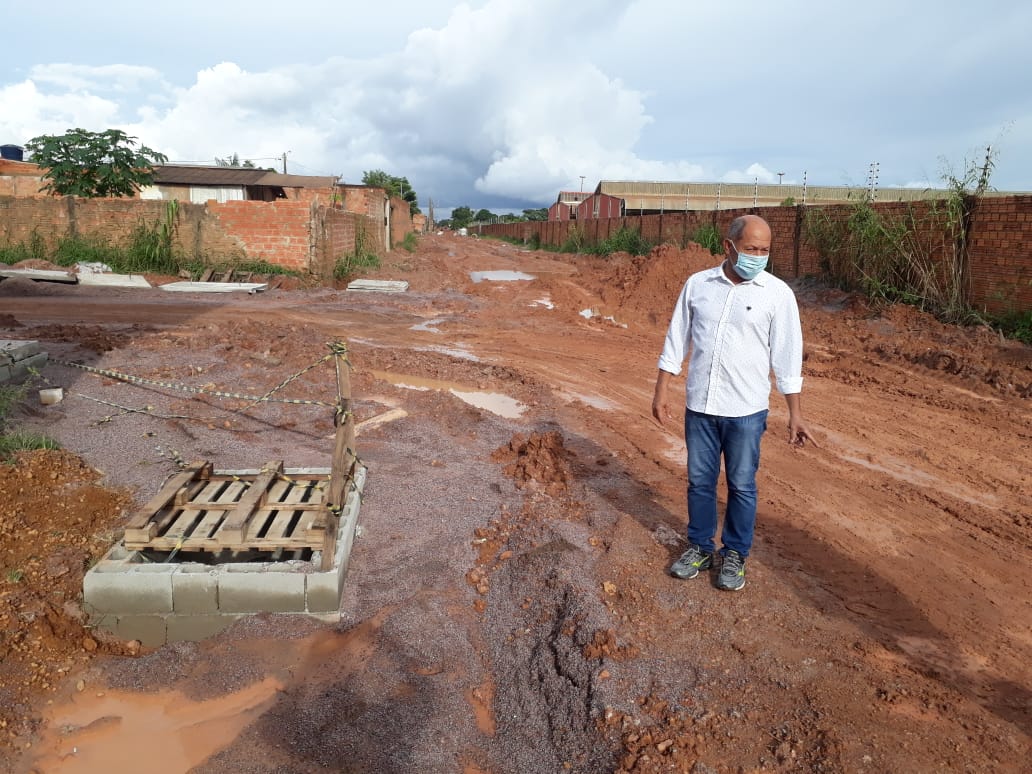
point(737, 323)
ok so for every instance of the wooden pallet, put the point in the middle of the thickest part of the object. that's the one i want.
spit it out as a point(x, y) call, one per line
point(205, 510)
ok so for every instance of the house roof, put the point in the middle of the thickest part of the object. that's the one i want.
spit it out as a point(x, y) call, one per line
point(181, 174)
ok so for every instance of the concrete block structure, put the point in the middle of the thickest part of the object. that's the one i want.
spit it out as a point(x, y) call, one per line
point(153, 601)
point(17, 358)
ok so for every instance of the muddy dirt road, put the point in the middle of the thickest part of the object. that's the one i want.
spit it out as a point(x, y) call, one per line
point(507, 607)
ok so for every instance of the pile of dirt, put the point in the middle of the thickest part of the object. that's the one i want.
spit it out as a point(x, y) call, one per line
point(38, 263)
point(644, 288)
point(538, 460)
point(55, 521)
point(15, 287)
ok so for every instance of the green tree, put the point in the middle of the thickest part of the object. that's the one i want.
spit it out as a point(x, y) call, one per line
point(92, 164)
point(234, 161)
point(394, 186)
point(537, 214)
point(485, 216)
point(461, 217)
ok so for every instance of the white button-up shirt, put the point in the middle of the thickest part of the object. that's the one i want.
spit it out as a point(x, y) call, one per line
point(735, 335)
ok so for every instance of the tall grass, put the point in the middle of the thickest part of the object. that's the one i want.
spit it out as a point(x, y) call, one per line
point(917, 254)
point(709, 236)
point(362, 257)
point(12, 440)
point(626, 240)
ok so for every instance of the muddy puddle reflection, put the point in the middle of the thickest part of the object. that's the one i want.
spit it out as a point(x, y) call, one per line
point(160, 733)
point(495, 402)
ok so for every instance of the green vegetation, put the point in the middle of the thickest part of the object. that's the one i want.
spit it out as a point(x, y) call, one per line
point(394, 186)
point(92, 164)
point(362, 257)
point(709, 236)
point(574, 241)
point(1017, 325)
point(788, 201)
point(626, 240)
point(410, 242)
point(917, 254)
point(12, 440)
point(14, 576)
point(150, 248)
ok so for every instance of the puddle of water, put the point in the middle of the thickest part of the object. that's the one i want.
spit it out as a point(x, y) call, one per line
point(587, 314)
point(495, 402)
point(595, 401)
point(161, 733)
point(461, 354)
point(501, 275)
point(428, 325)
point(545, 302)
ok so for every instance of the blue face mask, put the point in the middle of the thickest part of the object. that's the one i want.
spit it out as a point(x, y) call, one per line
point(749, 266)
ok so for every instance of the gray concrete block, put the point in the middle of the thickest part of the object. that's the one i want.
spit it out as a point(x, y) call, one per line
point(127, 592)
point(150, 630)
point(13, 350)
point(323, 591)
point(191, 628)
point(261, 592)
point(195, 589)
point(19, 371)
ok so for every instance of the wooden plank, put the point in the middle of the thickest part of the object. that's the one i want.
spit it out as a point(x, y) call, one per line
point(183, 523)
point(209, 501)
point(285, 515)
point(205, 275)
point(234, 529)
point(140, 527)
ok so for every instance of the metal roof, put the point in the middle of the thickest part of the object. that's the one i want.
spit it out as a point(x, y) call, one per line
point(181, 174)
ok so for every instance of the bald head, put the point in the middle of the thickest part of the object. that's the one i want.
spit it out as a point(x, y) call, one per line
point(748, 226)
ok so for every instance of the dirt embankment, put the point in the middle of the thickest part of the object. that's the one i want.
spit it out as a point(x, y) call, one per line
point(508, 607)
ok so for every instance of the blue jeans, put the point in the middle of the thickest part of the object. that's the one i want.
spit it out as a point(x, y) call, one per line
point(738, 440)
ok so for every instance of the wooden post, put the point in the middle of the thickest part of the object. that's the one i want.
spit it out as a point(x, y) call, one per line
point(343, 463)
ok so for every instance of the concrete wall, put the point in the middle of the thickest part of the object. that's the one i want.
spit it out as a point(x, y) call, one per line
point(1000, 265)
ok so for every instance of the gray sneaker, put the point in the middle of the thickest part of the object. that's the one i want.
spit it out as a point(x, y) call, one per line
point(691, 562)
point(732, 572)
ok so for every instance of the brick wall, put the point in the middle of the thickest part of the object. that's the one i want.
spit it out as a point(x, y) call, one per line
point(364, 200)
point(337, 233)
point(401, 219)
point(293, 234)
point(1000, 254)
point(19, 178)
point(1000, 263)
point(276, 232)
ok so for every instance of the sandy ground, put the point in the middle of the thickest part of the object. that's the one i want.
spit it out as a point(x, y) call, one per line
point(508, 607)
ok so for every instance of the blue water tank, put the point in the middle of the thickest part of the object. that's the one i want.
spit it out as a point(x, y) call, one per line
point(11, 153)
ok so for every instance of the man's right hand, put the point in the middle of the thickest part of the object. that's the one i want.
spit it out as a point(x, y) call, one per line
point(660, 409)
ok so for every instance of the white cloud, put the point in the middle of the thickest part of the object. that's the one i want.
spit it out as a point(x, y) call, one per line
point(26, 112)
point(117, 77)
point(504, 102)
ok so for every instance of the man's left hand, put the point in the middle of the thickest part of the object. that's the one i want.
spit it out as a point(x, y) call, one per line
point(799, 433)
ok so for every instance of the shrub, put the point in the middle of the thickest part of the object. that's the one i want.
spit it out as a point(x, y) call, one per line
point(626, 240)
point(708, 236)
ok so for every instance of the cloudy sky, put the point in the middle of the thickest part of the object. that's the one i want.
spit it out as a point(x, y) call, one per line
point(502, 103)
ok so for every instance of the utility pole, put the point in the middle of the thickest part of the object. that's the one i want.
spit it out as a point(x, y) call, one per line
point(285, 161)
point(582, 183)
